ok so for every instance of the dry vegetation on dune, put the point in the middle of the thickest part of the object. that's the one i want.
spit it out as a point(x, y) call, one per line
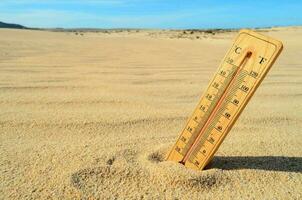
point(92, 116)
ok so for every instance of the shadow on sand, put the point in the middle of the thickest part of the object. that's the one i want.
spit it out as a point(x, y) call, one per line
point(270, 163)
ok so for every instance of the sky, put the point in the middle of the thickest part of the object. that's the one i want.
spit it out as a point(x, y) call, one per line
point(166, 14)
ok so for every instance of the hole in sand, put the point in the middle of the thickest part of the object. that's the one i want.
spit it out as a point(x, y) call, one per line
point(110, 161)
point(129, 171)
point(170, 174)
point(156, 157)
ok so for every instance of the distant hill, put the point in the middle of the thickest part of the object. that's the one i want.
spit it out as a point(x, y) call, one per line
point(6, 25)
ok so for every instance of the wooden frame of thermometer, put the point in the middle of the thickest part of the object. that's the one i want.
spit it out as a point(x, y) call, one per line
point(238, 76)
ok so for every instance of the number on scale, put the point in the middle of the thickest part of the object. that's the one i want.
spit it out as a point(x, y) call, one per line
point(254, 74)
point(244, 88)
point(230, 60)
point(190, 129)
point(203, 108)
point(211, 140)
point(235, 101)
point(222, 73)
point(209, 96)
point(227, 115)
point(216, 85)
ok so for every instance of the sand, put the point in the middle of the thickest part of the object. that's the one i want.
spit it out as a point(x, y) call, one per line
point(91, 115)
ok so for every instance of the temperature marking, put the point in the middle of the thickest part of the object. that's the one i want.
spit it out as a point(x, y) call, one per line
point(237, 78)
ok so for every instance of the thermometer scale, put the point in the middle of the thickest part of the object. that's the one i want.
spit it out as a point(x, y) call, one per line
point(238, 76)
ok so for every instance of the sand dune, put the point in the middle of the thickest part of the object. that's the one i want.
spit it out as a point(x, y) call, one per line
point(92, 115)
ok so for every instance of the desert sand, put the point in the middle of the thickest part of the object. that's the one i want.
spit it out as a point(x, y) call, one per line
point(91, 115)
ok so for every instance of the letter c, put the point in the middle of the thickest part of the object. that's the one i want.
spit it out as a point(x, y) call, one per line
point(238, 50)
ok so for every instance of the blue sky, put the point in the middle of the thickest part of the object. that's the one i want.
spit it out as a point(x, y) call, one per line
point(151, 13)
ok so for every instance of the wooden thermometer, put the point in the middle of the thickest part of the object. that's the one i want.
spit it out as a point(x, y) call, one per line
point(238, 76)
